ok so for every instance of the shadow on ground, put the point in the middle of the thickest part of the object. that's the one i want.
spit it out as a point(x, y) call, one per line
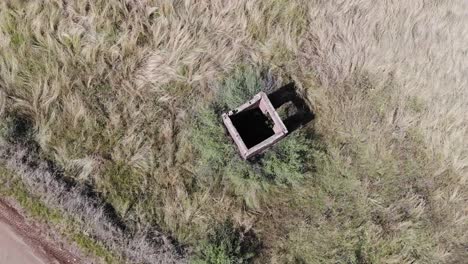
point(298, 113)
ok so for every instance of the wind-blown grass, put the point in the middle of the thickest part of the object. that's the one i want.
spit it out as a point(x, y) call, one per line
point(110, 89)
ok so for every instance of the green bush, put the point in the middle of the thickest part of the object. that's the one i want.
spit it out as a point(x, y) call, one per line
point(241, 86)
point(16, 128)
point(227, 245)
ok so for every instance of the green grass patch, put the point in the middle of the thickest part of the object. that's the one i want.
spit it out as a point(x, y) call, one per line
point(94, 247)
point(373, 206)
point(121, 186)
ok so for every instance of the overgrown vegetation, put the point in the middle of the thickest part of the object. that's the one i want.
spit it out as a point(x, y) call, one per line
point(226, 245)
point(124, 97)
point(287, 163)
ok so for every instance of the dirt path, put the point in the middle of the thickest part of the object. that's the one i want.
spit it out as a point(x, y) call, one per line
point(25, 242)
point(14, 250)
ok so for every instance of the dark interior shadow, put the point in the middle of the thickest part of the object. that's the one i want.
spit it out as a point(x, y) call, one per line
point(253, 118)
point(298, 113)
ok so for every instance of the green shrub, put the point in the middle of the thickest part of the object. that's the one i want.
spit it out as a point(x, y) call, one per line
point(290, 160)
point(227, 245)
point(241, 86)
point(16, 128)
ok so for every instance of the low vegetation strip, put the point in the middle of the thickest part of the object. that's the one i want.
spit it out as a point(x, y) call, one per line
point(143, 246)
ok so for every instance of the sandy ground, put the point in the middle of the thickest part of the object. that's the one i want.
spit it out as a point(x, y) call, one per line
point(23, 242)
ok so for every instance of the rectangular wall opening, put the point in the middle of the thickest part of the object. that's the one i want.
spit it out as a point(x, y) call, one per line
point(253, 126)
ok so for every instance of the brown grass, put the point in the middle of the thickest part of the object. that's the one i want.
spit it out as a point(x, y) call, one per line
point(111, 86)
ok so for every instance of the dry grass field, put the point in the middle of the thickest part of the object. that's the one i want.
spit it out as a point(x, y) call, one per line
point(121, 96)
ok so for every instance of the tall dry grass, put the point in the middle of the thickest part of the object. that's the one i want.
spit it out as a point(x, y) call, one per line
point(110, 88)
